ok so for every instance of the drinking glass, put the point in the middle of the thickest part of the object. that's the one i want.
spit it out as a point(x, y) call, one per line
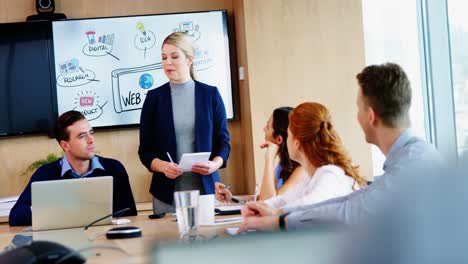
point(187, 212)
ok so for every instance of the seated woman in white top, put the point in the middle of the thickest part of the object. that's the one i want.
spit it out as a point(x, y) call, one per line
point(279, 175)
point(314, 144)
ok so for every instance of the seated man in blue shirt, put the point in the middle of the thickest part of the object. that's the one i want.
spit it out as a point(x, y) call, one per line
point(383, 101)
point(76, 138)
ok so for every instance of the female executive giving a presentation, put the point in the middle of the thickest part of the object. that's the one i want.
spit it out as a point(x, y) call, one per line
point(182, 116)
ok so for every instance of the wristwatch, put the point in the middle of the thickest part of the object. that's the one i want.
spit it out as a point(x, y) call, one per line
point(282, 224)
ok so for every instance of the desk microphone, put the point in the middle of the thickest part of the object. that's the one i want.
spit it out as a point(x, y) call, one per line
point(123, 232)
point(118, 213)
point(119, 232)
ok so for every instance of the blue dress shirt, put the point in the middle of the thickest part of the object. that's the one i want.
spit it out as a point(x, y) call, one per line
point(95, 164)
point(279, 180)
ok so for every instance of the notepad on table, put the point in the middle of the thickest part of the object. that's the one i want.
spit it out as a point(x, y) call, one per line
point(228, 210)
point(233, 231)
point(224, 221)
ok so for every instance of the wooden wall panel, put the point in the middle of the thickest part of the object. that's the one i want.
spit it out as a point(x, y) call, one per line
point(100, 8)
point(306, 50)
point(244, 182)
point(16, 11)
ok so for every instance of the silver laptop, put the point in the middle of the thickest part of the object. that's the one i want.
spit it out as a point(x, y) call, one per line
point(71, 203)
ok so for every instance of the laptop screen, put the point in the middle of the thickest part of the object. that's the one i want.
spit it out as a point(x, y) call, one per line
point(71, 202)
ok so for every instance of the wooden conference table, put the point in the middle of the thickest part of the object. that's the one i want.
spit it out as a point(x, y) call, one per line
point(139, 249)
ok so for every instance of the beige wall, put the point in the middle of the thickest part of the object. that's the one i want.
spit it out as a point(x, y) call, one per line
point(292, 50)
point(305, 50)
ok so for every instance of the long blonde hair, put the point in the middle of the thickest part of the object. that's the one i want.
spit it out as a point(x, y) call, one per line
point(185, 44)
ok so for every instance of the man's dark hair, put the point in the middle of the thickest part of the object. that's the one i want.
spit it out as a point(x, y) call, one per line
point(387, 90)
point(64, 121)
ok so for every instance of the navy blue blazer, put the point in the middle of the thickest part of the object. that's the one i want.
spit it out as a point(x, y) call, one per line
point(157, 134)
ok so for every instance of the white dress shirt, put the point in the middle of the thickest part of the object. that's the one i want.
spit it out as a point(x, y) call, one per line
point(328, 182)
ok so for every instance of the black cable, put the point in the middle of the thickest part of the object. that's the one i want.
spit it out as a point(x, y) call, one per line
point(118, 213)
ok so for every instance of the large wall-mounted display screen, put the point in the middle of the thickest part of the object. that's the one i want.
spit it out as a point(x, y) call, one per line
point(104, 67)
point(26, 84)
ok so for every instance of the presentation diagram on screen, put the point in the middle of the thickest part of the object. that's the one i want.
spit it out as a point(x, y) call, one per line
point(105, 67)
point(126, 95)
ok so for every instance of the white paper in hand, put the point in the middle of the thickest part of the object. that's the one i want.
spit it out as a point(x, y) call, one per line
point(190, 159)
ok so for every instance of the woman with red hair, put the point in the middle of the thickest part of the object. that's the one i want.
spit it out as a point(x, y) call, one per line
point(278, 178)
point(315, 145)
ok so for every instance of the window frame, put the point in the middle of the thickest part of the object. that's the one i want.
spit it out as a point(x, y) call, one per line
point(437, 78)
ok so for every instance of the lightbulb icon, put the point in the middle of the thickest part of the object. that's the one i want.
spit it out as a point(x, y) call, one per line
point(141, 27)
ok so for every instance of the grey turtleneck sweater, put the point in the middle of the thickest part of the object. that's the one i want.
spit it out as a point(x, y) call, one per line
point(183, 109)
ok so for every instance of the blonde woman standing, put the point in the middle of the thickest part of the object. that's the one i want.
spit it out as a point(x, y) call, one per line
point(182, 116)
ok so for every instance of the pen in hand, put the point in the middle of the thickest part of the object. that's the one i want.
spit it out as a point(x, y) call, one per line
point(227, 187)
point(170, 158)
point(172, 170)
